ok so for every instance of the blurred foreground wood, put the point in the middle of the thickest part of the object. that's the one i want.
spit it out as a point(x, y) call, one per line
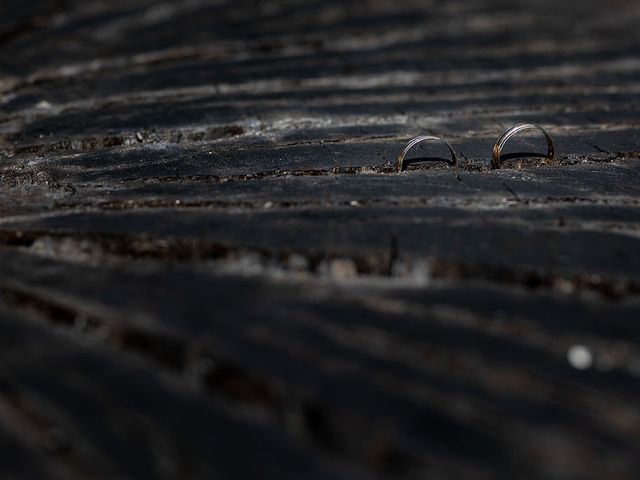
point(209, 269)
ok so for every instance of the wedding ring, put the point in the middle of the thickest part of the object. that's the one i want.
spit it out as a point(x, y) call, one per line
point(504, 138)
point(423, 138)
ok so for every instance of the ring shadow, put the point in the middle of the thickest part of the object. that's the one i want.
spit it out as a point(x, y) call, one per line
point(512, 156)
point(409, 161)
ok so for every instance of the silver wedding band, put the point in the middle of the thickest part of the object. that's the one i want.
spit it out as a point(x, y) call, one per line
point(504, 138)
point(423, 138)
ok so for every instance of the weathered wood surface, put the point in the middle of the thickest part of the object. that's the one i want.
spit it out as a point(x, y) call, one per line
point(209, 268)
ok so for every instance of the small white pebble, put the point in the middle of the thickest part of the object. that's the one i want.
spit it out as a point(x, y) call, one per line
point(343, 269)
point(354, 203)
point(565, 286)
point(268, 204)
point(43, 105)
point(580, 357)
point(139, 136)
point(178, 202)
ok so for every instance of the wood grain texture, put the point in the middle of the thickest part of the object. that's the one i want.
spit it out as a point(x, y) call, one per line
point(209, 267)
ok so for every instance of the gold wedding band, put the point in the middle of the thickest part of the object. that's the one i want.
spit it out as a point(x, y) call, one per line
point(504, 138)
point(423, 138)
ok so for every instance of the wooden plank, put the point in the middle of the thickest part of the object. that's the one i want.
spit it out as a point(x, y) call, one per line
point(392, 355)
point(132, 422)
point(210, 268)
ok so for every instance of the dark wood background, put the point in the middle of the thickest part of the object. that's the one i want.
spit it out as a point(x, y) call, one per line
point(209, 268)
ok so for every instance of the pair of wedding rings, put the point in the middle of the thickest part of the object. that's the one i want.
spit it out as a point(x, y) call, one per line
point(497, 149)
